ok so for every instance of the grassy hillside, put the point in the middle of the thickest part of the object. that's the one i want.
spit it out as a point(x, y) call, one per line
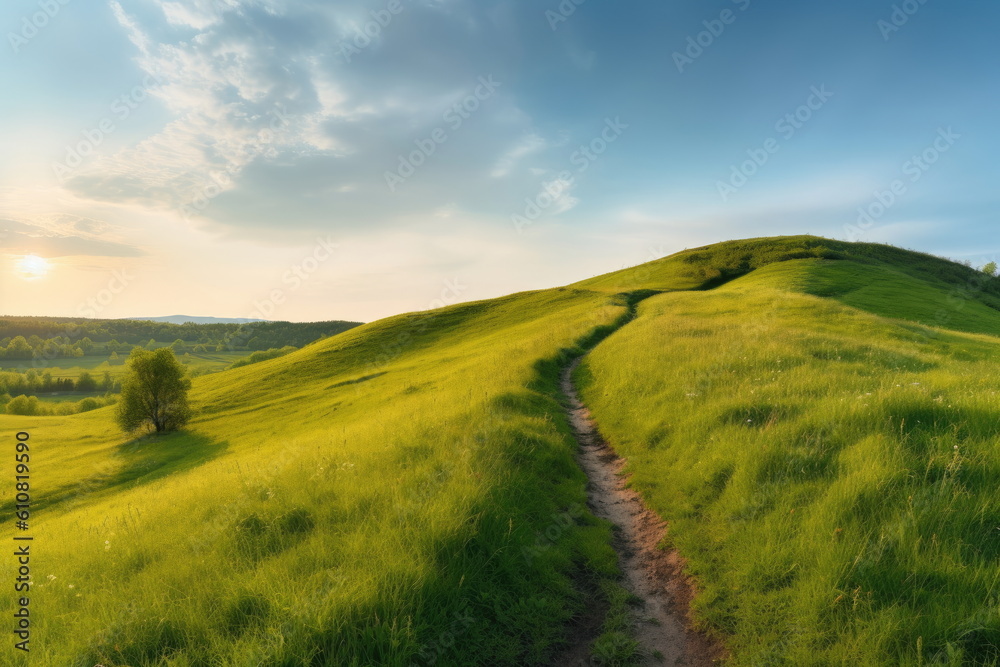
point(870, 276)
point(394, 495)
point(405, 493)
point(830, 472)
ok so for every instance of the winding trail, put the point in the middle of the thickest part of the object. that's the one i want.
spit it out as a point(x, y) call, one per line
point(653, 575)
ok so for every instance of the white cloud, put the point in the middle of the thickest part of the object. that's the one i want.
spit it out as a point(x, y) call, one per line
point(64, 235)
point(198, 14)
point(271, 125)
point(135, 35)
point(228, 98)
point(559, 190)
point(525, 147)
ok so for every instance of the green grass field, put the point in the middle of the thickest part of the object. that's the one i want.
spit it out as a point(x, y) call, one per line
point(817, 420)
point(367, 500)
point(829, 472)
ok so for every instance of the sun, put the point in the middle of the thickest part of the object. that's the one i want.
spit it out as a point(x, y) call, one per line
point(33, 267)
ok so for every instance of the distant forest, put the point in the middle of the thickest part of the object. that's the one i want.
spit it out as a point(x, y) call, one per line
point(23, 338)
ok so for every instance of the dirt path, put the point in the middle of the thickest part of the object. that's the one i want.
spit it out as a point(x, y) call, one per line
point(653, 575)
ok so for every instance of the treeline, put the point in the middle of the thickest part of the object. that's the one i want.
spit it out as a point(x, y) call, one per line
point(20, 348)
point(32, 382)
point(60, 336)
point(263, 355)
point(31, 406)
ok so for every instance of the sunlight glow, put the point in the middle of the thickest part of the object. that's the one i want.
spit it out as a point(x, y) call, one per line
point(33, 267)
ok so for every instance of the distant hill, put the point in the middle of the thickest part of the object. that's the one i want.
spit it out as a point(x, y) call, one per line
point(184, 319)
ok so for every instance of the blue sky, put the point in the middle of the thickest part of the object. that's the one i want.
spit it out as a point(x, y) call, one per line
point(265, 157)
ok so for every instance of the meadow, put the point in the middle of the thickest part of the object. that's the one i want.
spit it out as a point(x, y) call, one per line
point(380, 497)
point(828, 470)
point(817, 420)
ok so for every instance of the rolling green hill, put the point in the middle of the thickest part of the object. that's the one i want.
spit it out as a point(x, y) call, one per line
point(405, 493)
point(828, 466)
point(366, 500)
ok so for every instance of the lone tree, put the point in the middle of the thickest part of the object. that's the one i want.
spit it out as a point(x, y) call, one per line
point(154, 392)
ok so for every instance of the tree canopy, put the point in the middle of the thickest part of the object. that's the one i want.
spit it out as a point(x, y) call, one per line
point(154, 392)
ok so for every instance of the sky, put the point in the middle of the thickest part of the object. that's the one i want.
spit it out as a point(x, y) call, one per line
point(302, 160)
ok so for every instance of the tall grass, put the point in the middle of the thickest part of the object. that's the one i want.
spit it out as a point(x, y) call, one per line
point(830, 474)
point(396, 495)
point(405, 493)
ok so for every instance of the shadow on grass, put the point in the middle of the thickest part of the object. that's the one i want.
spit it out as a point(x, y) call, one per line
point(151, 457)
point(357, 380)
point(131, 464)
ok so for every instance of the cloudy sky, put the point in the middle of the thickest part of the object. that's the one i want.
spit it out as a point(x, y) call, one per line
point(308, 160)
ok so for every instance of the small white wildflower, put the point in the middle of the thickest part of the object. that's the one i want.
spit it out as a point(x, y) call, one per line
point(72, 586)
point(52, 577)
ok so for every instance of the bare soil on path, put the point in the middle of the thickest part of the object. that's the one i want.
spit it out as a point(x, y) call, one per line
point(654, 575)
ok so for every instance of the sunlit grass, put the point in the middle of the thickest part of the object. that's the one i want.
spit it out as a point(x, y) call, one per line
point(397, 494)
point(830, 475)
point(311, 516)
